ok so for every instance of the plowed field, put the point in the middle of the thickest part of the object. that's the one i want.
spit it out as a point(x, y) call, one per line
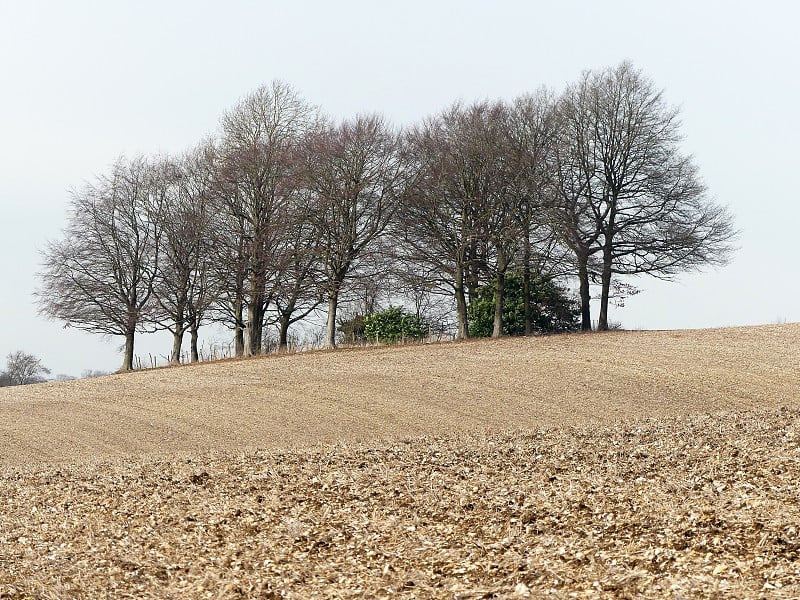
point(630, 464)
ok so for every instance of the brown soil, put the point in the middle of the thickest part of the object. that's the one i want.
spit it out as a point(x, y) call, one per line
point(510, 469)
point(385, 393)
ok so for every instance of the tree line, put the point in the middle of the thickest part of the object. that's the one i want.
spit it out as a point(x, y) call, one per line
point(285, 211)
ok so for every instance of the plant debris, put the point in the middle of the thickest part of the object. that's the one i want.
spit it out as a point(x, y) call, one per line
point(676, 507)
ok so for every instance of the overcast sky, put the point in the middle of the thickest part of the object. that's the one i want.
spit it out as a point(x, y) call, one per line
point(84, 82)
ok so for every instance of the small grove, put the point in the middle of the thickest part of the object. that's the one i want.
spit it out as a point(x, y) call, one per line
point(473, 219)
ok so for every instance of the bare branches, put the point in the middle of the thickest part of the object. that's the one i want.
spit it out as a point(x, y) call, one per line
point(100, 277)
point(287, 210)
point(353, 175)
point(259, 137)
point(625, 191)
point(184, 288)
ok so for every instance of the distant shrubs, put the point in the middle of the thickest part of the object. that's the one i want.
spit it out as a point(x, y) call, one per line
point(352, 330)
point(91, 373)
point(388, 326)
point(393, 325)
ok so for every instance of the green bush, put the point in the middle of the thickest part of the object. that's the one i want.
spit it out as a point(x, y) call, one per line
point(552, 310)
point(393, 325)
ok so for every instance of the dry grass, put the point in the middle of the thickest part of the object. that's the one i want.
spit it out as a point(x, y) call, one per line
point(507, 469)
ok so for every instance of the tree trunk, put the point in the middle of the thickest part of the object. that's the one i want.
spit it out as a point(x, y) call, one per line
point(330, 327)
point(526, 285)
point(255, 325)
point(181, 309)
point(583, 278)
point(177, 344)
point(605, 280)
point(284, 321)
point(283, 334)
point(499, 282)
point(127, 359)
point(194, 335)
point(238, 340)
point(238, 332)
point(472, 281)
point(461, 305)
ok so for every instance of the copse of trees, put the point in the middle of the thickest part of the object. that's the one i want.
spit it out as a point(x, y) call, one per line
point(287, 213)
point(22, 369)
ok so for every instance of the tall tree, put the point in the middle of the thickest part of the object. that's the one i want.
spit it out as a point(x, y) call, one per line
point(100, 276)
point(229, 268)
point(354, 175)
point(575, 219)
point(258, 137)
point(488, 128)
point(298, 289)
point(531, 141)
point(650, 211)
point(459, 203)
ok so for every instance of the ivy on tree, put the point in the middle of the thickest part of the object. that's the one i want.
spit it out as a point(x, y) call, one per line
point(553, 310)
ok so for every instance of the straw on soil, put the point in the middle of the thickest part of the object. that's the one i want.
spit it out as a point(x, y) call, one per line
point(680, 507)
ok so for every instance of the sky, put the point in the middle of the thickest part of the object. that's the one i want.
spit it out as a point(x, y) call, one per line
point(82, 83)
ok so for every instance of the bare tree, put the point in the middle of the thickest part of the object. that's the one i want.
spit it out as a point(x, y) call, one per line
point(458, 217)
point(184, 288)
point(258, 137)
point(354, 175)
point(504, 194)
point(21, 369)
point(298, 291)
point(632, 197)
point(575, 214)
point(100, 276)
point(204, 291)
point(229, 270)
point(531, 141)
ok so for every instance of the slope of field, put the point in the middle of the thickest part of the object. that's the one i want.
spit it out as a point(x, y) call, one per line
point(391, 393)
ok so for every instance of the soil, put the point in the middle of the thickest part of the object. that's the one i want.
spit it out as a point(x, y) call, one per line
point(384, 393)
point(628, 464)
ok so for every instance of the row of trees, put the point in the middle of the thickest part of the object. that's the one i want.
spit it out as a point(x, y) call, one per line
point(285, 212)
